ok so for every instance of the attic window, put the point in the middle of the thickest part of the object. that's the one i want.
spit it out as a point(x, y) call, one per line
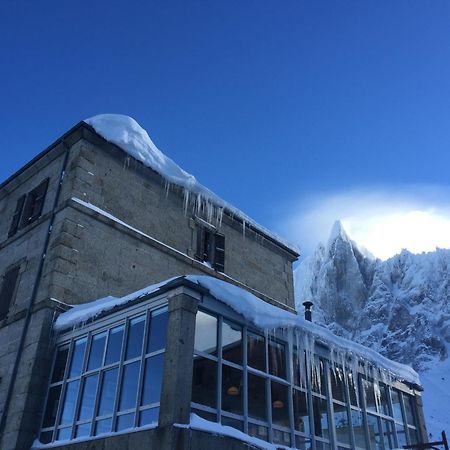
point(28, 208)
point(211, 248)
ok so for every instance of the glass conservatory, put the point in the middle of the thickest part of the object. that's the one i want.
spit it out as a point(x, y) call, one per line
point(107, 378)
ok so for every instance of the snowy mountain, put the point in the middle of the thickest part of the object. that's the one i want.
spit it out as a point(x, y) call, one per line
point(399, 307)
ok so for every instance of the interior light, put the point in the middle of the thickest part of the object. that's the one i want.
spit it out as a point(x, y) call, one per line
point(233, 390)
point(278, 404)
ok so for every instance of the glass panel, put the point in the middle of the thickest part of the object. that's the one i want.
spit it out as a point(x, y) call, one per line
point(135, 336)
point(281, 437)
point(70, 400)
point(375, 436)
point(204, 382)
point(232, 390)
point(233, 423)
point(125, 422)
point(301, 416)
point(396, 405)
point(277, 359)
point(97, 350)
point(413, 436)
point(64, 434)
point(77, 357)
point(83, 430)
point(322, 446)
point(358, 428)
point(46, 437)
point(88, 398)
point(60, 364)
point(384, 399)
point(103, 426)
point(205, 333)
point(280, 404)
point(153, 376)
point(108, 392)
point(409, 409)
point(341, 423)
point(352, 390)
point(257, 403)
point(401, 435)
point(337, 380)
point(114, 345)
point(149, 416)
point(129, 386)
point(302, 443)
point(258, 431)
point(369, 395)
point(256, 351)
point(296, 369)
point(320, 417)
point(158, 330)
point(205, 415)
point(318, 377)
point(231, 342)
point(388, 434)
point(52, 406)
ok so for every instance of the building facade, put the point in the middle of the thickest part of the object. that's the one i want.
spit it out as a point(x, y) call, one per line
point(85, 220)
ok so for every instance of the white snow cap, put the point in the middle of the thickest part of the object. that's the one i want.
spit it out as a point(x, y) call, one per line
point(127, 134)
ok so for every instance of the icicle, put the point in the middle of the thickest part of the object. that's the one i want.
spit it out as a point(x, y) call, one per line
point(186, 201)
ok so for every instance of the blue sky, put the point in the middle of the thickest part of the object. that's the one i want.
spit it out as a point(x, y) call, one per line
point(279, 107)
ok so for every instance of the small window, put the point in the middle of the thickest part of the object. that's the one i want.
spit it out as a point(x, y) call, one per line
point(211, 248)
point(8, 289)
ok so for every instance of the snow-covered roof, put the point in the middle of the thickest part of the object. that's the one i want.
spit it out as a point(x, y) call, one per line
point(253, 309)
point(127, 134)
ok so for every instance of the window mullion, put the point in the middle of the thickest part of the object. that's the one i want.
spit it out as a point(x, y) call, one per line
point(245, 377)
point(219, 369)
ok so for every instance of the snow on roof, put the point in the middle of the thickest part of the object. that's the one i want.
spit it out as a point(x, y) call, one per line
point(261, 314)
point(127, 134)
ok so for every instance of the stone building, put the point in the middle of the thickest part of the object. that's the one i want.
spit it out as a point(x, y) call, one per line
point(206, 350)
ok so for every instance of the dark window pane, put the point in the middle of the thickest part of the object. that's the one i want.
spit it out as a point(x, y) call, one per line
point(233, 423)
point(60, 364)
point(129, 386)
point(353, 390)
point(149, 416)
point(257, 403)
point(205, 333)
point(204, 382)
point(280, 404)
point(103, 426)
point(277, 359)
point(302, 443)
point(401, 435)
point(108, 392)
point(256, 351)
point(16, 217)
point(375, 436)
point(88, 398)
point(135, 336)
point(70, 399)
point(322, 446)
point(34, 204)
point(83, 430)
point(46, 437)
point(369, 392)
point(219, 252)
point(97, 350)
point(232, 342)
point(154, 368)
point(114, 345)
point(318, 383)
point(158, 330)
point(301, 416)
point(413, 436)
point(396, 405)
point(320, 417)
point(52, 406)
point(281, 437)
point(232, 397)
point(358, 428)
point(125, 422)
point(7, 291)
point(388, 434)
point(341, 423)
point(383, 396)
point(258, 431)
point(205, 415)
point(337, 380)
point(77, 357)
point(409, 409)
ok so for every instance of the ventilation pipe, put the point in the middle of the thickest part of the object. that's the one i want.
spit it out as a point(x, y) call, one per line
point(308, 312)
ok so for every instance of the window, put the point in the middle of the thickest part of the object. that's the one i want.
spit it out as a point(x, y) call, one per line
point(28, 208)
point(211, 248)
point(7, 290)
point(107, 381)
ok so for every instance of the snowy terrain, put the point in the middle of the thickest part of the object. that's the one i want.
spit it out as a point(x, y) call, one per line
point(399, 307)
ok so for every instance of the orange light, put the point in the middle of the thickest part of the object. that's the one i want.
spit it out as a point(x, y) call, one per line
point(233, 390)
point(278, 404)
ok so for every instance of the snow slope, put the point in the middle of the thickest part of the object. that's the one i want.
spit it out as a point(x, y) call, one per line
point(399, 307)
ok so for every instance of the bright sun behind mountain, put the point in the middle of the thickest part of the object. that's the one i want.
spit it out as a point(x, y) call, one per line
point(386, 235)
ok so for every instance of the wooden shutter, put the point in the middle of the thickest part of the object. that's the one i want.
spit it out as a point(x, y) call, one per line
point(219, 252)
point(34, 204)
point(7, 292)
point(16, 217)
point(200, 243)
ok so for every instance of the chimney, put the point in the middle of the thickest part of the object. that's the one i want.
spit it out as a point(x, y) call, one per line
point(308, 312)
